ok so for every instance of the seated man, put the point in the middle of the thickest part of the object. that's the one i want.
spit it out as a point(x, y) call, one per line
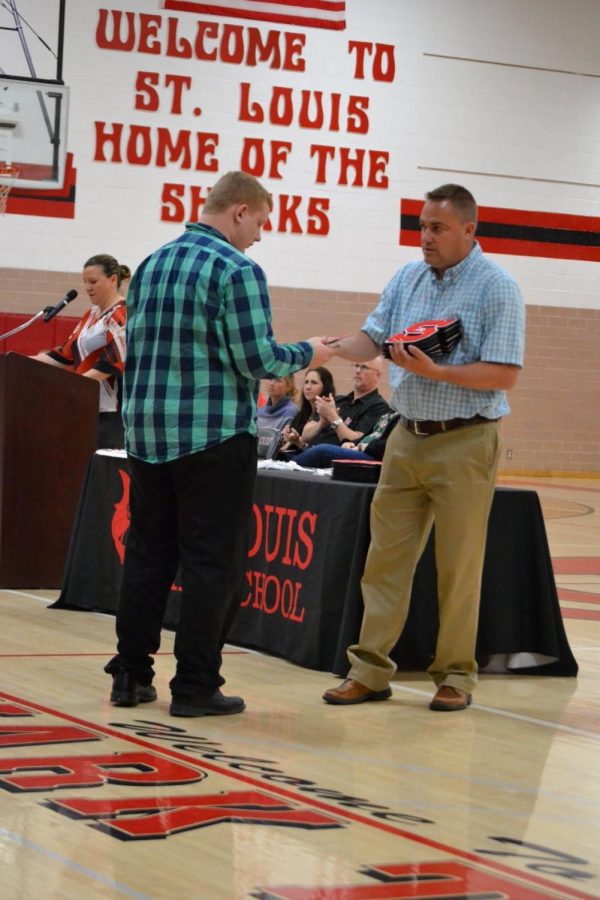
point(349, 417)
point(370, 447)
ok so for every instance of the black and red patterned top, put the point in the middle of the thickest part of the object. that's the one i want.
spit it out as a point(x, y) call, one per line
point(98, 342)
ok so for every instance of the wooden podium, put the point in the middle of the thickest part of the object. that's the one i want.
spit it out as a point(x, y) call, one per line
point(48, 433)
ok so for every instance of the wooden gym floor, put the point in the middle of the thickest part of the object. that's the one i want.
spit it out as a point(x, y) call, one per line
point(293, 798)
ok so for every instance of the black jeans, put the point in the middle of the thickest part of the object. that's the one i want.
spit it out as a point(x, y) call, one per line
point(191, 516)
point(111, 433)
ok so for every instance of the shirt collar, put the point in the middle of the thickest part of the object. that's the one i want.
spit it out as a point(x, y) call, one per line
point(364, 397)
point(207, 229)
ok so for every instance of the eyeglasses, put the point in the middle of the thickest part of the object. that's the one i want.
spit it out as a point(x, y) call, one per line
point(364, 368)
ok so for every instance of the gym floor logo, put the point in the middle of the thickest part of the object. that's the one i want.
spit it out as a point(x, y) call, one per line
point(143, 813)
point(450, 879)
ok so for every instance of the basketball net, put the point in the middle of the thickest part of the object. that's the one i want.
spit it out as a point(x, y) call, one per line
point(8, 174)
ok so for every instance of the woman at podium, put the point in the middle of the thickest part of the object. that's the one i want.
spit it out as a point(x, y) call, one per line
point(96, 346)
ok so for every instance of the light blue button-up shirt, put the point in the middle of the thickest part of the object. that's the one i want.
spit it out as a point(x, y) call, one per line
point(490, 306)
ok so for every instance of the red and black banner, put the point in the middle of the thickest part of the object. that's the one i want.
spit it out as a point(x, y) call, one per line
point(519, 232)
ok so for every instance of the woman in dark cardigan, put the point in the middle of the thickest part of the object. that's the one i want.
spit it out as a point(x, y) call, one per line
point(317, 382)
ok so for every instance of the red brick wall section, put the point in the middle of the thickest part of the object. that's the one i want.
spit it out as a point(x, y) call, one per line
point(555, 421)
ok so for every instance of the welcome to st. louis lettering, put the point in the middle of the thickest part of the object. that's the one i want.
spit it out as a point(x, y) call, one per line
point(164, 101)
point(139, 817)
point(283, 538)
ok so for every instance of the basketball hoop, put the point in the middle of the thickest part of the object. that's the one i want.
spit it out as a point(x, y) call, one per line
point(8, 174)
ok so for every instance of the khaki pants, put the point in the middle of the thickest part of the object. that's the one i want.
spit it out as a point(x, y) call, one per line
point(448, 479)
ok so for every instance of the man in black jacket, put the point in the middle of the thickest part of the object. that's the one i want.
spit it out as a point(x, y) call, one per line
point(349, 417)
point(370, 448)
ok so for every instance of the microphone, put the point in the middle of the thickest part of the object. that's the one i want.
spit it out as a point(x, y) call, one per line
point(51, 311)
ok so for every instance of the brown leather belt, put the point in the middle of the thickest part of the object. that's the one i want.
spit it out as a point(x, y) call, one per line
point(425, 428)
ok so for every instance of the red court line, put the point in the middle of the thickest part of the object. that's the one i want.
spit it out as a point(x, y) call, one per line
point(569, 613)
point(431, 843)
point(576, 565)
point(578, 596)
point(561, 487)
point(102, 655)
point(51, 655)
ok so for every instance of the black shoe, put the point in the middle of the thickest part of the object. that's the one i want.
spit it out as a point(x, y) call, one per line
point(127, 692)
point(207, 705)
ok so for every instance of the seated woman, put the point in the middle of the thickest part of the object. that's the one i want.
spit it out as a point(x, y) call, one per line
point(281, 405)
point(371, 447)
point(316, 382)
point(96, 346)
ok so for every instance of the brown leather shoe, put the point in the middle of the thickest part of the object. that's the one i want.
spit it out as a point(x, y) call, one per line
point(450, 699)
point(351, 691)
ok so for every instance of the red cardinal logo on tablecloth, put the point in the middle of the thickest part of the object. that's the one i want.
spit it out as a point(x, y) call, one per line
point(120, 520)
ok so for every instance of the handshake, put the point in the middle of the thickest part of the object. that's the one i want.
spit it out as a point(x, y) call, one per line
point(323, 349)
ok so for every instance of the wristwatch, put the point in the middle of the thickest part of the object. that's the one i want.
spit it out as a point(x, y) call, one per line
point(336, 423)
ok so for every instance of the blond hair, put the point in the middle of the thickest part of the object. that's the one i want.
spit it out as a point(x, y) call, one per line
point(291, 388)
point(236, 187)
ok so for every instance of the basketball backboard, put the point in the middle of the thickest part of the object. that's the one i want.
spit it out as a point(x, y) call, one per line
point(33, 129)
point(33, 99)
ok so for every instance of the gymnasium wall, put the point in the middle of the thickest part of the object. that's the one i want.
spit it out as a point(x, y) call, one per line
point(348, 127)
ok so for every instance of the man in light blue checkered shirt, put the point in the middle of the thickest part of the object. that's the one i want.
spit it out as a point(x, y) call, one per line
point(441, 459)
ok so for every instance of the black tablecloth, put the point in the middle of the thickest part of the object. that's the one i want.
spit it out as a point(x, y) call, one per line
point(302, 595)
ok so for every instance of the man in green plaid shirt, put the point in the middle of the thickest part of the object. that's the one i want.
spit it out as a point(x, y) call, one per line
point(199, 339)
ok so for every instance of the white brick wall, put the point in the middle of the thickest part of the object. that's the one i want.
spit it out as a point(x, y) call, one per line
point(521, 130)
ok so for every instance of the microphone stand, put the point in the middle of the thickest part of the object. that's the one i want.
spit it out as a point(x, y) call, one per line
point(24, 325)
point(46, 311)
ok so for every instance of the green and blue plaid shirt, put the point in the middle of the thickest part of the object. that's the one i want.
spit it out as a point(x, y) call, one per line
point(199, 338)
